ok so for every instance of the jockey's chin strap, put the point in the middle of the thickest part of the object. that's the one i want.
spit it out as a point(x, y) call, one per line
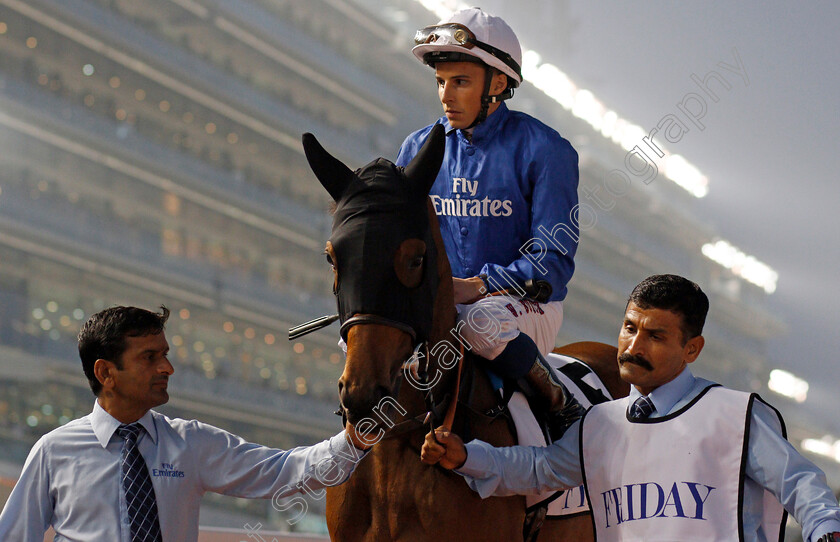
point(487, 99)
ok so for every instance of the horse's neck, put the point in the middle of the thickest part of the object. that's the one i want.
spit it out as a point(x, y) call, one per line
point(446, 341)
point(444, 315)
point(442, 337)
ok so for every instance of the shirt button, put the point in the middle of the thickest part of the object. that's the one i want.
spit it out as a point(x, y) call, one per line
point(464, 231)
point(470, 150)
point(469, 271)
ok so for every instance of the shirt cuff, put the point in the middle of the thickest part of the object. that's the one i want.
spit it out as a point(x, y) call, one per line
point(824, 527)
point(478, 460)
point(341, 446)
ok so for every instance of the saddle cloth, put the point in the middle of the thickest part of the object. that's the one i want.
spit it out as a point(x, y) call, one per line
point(587, 389)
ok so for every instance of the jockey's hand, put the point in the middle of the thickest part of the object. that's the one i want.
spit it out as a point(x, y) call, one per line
point(358, 439)
point(444, 447)
point(468, 290)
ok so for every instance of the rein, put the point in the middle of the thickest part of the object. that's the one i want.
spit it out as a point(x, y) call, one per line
point(430, 414)
point(449, 417)
point(450, 413)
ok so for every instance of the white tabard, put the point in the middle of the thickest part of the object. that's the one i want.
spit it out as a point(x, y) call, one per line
point(588, 390)
point(678, 477)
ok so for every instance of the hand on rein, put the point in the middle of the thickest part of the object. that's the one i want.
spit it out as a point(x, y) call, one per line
point(443, 447)
point(468, 290)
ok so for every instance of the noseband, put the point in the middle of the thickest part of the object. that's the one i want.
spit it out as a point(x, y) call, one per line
point(361, 319)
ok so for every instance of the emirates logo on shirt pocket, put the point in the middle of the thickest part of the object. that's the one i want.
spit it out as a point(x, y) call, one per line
point(168, 470)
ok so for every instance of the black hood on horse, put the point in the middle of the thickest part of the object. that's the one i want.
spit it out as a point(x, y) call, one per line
point(381, 247)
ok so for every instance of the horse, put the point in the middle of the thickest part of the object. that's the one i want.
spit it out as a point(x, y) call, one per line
point(406, 363)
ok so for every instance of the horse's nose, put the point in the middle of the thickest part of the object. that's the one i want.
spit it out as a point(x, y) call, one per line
point(359, 401)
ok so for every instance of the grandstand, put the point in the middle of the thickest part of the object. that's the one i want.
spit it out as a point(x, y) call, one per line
point(150, 154)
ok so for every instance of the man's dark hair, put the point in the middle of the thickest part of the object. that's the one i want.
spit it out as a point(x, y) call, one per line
point(103, 336)
point(676, 294)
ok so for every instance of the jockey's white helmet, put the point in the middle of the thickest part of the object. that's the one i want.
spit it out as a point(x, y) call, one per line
point(472, 35)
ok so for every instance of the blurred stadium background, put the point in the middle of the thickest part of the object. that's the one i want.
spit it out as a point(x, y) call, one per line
point(150, 154)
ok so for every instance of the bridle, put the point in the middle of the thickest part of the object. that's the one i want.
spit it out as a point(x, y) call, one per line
point(381, 208)
point(432, 414)
point(361, 319)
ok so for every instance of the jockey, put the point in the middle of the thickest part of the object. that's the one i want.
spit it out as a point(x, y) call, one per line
point(506, 199)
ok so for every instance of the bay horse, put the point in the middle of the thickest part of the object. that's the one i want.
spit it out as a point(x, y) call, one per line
point(393, 285)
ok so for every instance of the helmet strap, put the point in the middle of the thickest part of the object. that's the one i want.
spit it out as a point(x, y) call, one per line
point(486, 99)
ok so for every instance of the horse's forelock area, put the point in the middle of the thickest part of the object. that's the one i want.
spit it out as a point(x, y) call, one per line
point(382, 182)
point(380, 193)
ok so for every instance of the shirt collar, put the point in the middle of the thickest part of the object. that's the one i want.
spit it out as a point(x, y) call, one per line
point(486, 128)
point(104, 425)
point(666, 396)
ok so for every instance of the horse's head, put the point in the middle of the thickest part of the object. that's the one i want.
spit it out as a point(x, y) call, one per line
point(385, 265)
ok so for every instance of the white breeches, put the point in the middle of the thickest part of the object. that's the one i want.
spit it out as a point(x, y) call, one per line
point(491, 322)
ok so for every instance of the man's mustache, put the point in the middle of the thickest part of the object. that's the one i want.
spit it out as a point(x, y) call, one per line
point(637, 360)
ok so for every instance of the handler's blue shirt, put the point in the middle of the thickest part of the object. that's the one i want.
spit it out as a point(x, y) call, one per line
point(772, 463)
point(506, 200)
point(72, 477)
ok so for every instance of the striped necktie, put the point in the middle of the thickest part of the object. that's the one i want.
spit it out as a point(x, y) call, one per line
point(641, 408)
point(139, 493)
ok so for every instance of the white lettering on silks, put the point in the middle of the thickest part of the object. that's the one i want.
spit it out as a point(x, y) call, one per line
point(469, 205)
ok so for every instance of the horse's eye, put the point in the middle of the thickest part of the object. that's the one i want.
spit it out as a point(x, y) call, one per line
point(329, 259)
point(408, 262)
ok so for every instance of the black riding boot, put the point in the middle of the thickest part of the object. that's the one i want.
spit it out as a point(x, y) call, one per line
point(550, 398)
point(521, 360)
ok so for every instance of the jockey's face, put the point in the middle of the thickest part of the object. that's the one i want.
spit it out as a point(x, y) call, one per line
point(460, 86)
point(652, 349)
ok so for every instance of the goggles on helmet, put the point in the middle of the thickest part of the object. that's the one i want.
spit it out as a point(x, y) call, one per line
point(458, 34)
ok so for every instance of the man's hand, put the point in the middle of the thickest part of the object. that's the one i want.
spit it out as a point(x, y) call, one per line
point(468, 290)
point(357, 439)
point(444, 447)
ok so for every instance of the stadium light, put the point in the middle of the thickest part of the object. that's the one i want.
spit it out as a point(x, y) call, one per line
point(743, 265)
point(826, 447)
point(785, 383)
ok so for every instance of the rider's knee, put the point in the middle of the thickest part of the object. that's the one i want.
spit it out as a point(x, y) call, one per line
point(487, 326)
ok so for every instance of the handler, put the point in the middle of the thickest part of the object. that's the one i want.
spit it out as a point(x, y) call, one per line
point(125, 473)
point(681, 458)
point(506, 199)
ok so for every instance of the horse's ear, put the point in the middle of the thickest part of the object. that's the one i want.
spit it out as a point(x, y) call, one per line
point(424, 167)
point(331, 172)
